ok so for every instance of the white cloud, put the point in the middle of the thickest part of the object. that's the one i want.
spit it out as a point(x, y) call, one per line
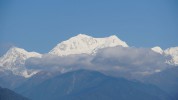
point(129, 62)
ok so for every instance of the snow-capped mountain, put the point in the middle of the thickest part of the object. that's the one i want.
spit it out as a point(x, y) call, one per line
point(172, 52)
point(85, 44)
point(157, 49)
point(14, 61)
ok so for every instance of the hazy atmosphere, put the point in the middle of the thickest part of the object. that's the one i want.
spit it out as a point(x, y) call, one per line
point(89, 50)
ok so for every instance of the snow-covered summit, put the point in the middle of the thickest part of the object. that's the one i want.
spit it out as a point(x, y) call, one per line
point(173, 52)
point(85, 44)
point(14, 60)
point(157, 49)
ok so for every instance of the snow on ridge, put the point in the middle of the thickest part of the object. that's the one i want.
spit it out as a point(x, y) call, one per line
point(14, 60)
point(172, 52)
point(157, 49)
point(85, 44)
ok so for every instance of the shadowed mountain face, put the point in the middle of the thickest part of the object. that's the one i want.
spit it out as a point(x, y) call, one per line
point(35, 80)
point(10, 81)
point(6, 94)
point(166, 80)
point(92, 85)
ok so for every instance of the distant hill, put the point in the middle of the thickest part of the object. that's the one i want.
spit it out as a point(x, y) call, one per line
point(166, 80)
point(92, 85)
point(6, 94)
point(35, 80)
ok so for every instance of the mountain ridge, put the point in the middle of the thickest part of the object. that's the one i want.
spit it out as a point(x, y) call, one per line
point(89, 85)
point(14, 59)
point(6, 94)
point(85, 44)
point(172, 52)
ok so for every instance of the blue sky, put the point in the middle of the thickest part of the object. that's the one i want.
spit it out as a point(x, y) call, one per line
point(38, 25)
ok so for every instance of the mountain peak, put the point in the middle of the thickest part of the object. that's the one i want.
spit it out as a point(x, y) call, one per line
point(113, 36)
point(82, 35)
point(173, 52)
point(85, 44)
point(172, 49)
point(87, 36)
point(157, 49)
point(16, 49)
point(79, 37)
point(20, 51)
point(14, 60)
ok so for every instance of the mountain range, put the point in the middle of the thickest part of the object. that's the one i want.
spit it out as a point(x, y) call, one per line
point(92, 85)
point(14, 59)
point(6, 94)
point(88, 68)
